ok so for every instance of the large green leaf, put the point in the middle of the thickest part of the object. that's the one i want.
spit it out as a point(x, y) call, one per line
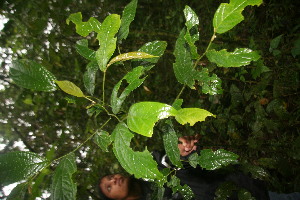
point(102, 139)
point(212, 160)
point(107, 40)
point(129, 56)
point(133, 80)
point(31, 75)
point(192, 115)
point(19, 165)
point(229, 15)
point(183, 66)
point(63, 187)
point(156, 48)
point(192, 34)
point(84, 28)
point(143, 116)
point(89, 77)
point(70, 88)
point(127, 17)
point(140, 164)
point(237, 58)
point(83, 49)
point(19, 192)
point(171, 144)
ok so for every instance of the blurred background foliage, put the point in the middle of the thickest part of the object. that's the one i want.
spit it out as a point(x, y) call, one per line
point(257, 114)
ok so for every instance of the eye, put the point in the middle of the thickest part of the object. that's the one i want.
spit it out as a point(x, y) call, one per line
point(108, 188)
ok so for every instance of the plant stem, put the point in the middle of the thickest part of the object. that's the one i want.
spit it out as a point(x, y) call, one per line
point(180, 92)
point(78, 147)
point(208, 46)
point(198, 60)
point(93, 102)
point(103, 87)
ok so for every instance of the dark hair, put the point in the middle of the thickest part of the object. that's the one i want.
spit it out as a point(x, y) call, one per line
point(100, 193)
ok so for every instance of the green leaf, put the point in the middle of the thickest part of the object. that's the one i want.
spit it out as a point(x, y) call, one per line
point(156, 48)
point(31, 75)
point(192, 115)
point(210, 84)
point(127, 17)
point(63, 187)
point(225, 190)
point(183, 66)
point(177, 104)
point(19, 165)
point(184, 190)
point(192, 34)
point(171, 144)
point(274, 43)
point(296, 49)
point(140, 164)
point(83, 49)
point(243, 194)
point(229, 15)
point(133, 80)
point(89, 77)
point(194, 159)
point(84, 28)
point(212, 160)
point(259, 69)
point(129, 56)
point(240, 57)
point(38, 181)
point(143, 116)
point(102, 139)
point(18, 193)
point(70, 88)
point(107, 40)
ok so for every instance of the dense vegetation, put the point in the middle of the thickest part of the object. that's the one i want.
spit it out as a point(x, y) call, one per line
point(257, 112)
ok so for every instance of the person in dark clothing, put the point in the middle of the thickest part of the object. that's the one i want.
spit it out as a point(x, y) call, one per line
point(203, 183)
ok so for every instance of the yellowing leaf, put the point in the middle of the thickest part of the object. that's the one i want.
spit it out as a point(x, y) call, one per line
point(70, 88)
point(192, 115)
point(129, 56)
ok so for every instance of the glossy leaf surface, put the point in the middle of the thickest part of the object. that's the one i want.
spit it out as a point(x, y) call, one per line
point(140, 164)
point(237, 58)
point(192, 34)
point(19, 165)
point(89, 77)
point(171, 144)
point(183, 66)
point(102, 139)
point(70, 88)
point(155, 48)
point(212, 160)
point(133, 80)
point(192, 115)
point(129, 56)
point(143, 116)
point(107, 40)
point(63, 187)
point(83, 49)
point(31, 75)
point(229, 15)
point(127, 17)
point(84, 28)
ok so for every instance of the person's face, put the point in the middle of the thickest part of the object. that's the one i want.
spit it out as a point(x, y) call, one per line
point(115, 186)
